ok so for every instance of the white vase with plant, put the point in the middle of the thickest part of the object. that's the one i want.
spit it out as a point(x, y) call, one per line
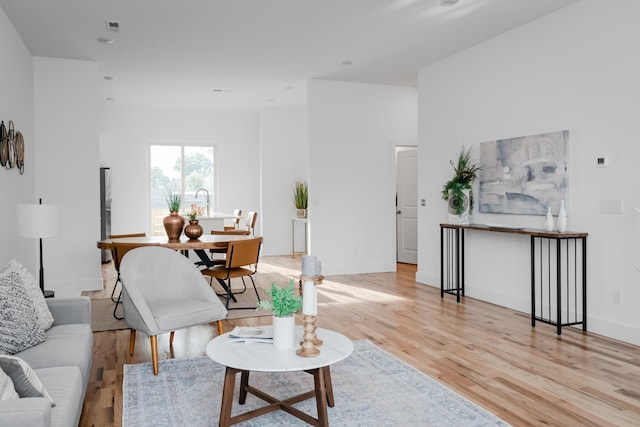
point(284, 304)
point(457, 191)
point(301, 198)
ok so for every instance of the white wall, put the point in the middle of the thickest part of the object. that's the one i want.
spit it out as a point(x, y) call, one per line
point(66, 169)
point(352, 131)
point(124, 141)
point(284, 149)
point(576, 69)
point(16, 103)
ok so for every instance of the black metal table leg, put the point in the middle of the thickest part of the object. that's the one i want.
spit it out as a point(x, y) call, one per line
point(558, 287)
point(584, 284)
point(533, 281)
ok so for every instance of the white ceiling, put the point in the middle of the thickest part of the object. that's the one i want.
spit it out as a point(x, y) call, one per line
point(176, 53)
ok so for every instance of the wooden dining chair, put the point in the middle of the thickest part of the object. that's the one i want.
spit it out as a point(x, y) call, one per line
point(236, 222)
point(252, 217)
point(241, 261)
point(221, 248)
point(117, 252)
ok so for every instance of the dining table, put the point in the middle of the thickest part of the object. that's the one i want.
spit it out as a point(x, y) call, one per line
point(199, 246)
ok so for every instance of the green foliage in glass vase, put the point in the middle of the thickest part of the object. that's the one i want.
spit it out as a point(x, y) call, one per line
point(300, 195)
point(284, 302)
point(466, 172)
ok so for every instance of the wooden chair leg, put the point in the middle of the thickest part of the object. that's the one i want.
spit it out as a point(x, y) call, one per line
point(132, 341)
point(154, 353)
point(220, 327)
point(171, 338)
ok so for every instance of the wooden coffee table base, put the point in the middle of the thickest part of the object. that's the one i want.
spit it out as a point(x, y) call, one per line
point(323, 392)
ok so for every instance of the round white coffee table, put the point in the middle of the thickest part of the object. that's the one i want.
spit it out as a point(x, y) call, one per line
point(245, 357)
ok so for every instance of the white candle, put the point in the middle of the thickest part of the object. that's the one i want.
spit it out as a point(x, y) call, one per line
point(308, 292)
point(315, 299)
point(309, 265)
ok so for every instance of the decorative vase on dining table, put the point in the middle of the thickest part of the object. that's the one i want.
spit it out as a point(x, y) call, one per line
point(173, 225)
point(194, 230)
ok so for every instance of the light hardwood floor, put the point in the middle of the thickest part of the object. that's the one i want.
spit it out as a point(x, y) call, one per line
point(491, 355)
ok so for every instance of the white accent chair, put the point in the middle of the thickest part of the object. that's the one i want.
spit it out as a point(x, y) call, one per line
point(163, 291)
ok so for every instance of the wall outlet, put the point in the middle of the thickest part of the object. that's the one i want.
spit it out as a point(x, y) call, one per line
point(616, 297)
point(602, 161)
point(610, 206)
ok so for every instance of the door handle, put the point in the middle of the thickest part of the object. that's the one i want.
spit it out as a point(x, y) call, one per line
point(398, 212)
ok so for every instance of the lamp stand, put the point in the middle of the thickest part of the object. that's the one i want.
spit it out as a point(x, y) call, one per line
point(47, 294)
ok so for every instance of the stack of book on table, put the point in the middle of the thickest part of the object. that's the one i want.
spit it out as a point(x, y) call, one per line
point(262, 334)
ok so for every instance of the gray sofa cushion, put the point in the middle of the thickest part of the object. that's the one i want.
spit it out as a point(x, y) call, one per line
point(65, 384)
point(66, 345)
point(19, 328)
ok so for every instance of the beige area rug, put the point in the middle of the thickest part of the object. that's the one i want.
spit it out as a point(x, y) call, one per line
point(102, 311)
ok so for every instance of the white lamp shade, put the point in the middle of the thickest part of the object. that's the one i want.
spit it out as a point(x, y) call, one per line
point(39, 221)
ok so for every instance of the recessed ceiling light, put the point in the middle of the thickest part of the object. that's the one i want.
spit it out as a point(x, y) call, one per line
point(270, 100)
point(288, 87)
point(218, 90)
point(109, 78)
point(346, 63)
point(109, 98)
point(448, 3)
point(105, 40)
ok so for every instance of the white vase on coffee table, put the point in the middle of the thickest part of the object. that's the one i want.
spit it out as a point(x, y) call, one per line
point(284, 332)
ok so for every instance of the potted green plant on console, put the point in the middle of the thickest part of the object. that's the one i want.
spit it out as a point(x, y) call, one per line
point(284, 304)
point(457, 191)
point(301, 198)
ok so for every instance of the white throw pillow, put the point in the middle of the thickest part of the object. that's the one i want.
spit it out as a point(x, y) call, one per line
point(25, 380)
point(45, 318)
point(19, 328)
point(7, 391)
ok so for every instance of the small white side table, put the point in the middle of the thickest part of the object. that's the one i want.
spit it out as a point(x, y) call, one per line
point(294, 221)
point(259, 357)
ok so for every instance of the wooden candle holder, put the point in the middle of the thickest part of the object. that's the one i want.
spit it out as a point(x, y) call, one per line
point(308, 348)
point(309, 340)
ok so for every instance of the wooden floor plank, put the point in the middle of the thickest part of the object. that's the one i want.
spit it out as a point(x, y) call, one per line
point(489, 354)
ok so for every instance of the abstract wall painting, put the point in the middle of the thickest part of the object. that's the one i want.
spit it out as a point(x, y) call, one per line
point(525, 175)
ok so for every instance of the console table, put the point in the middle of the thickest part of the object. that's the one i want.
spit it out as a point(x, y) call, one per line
point(558, 271)
point(305, 223)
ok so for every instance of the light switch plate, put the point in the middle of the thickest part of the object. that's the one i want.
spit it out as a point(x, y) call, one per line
point(610, 206)
point(602, 161)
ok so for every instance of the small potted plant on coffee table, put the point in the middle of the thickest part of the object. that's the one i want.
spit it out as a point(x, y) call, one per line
point(284, 304)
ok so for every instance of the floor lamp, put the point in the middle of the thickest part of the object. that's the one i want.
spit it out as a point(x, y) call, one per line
point(39, 221)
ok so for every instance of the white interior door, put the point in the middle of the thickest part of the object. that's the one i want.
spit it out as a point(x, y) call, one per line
point(407, 206)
